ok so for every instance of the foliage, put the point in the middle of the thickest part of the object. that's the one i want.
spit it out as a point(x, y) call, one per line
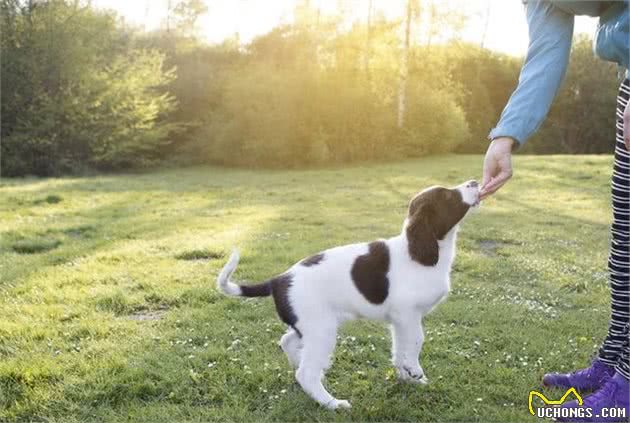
point(187, 13)
point(76, 93)
point(486, 80)
point(121, 320)
point(81, 91)
point(582, 119)
point(293, 102)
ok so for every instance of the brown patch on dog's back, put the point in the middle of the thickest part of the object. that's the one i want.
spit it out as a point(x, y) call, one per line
point(312, 260)
point(369, 272)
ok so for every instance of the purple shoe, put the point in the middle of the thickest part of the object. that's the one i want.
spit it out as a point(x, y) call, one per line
point(610, 403)
point(590, 378)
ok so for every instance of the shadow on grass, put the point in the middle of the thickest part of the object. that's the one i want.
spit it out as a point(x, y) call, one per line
point(155, 372)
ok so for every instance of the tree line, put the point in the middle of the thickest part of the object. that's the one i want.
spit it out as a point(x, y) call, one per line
point(83, 91)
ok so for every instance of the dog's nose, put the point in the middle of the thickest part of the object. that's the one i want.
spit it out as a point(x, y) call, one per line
point(472, 184)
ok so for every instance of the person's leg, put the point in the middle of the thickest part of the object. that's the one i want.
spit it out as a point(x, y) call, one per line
point(614, 351)
point(614, 391)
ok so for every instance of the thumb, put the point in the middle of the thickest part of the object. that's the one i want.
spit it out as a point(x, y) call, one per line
point(486, 178)
point(487, 174)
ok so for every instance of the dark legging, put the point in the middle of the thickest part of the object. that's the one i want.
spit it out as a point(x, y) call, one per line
point(616, 347)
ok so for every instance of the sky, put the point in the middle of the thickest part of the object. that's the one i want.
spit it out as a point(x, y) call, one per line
point(506, 31)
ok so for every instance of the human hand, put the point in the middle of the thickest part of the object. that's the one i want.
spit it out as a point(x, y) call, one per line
point(497, 166)
point(626, 126)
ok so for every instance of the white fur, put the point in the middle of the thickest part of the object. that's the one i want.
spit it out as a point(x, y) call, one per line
point(223, 280)
point(324, 296)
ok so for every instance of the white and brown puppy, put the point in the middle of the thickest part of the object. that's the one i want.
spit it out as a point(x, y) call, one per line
point(397, 280)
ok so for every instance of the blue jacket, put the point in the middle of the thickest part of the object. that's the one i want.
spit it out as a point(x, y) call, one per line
point(550, 32)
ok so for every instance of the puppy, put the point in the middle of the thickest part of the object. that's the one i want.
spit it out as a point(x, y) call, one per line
point(398, 280)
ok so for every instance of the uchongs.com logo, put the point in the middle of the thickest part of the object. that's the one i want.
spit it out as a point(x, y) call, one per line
point(552, 409)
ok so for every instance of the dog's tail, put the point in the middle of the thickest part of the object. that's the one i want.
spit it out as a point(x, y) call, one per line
point(228, 287)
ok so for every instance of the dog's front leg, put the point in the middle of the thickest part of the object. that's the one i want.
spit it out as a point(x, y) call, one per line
point(407, 340)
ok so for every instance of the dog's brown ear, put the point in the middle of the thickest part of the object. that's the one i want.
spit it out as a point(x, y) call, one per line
point(421, 239)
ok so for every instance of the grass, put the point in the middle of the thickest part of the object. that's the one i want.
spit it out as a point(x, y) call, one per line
point(35, 245)
point(108, 310)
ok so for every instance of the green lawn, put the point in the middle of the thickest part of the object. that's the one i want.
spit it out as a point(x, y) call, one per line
point(108, 309)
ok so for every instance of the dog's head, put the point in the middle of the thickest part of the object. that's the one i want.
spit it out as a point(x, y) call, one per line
point(433, 213)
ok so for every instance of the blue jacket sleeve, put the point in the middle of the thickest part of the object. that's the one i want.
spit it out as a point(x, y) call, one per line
point(550, 34)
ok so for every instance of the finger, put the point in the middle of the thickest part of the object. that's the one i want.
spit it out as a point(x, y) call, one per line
point(488, 185)
point(487, 175)
point(485, 187)
point(487, 179)
point(484, 196)
point(487, 193)
point(495, 184)
point(490, 192)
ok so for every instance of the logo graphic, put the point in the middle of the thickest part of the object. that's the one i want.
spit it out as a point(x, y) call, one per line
point(552, 402)
point(553, 410)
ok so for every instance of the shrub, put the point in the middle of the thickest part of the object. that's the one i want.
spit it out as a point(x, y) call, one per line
point(77, 94)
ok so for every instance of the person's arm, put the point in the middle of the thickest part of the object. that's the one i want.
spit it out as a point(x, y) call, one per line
point(550, 34)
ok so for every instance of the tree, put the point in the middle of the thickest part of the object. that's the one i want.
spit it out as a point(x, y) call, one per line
point(80, 90)
point(366, 65)
point(444, 21)
point(582, 117)
point(76, 93)
point(412, 9)
point(187, 13)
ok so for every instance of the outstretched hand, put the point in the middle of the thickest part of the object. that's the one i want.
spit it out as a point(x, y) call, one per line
point(497, 166)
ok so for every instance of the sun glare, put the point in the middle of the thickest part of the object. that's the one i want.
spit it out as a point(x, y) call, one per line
point(497, 24)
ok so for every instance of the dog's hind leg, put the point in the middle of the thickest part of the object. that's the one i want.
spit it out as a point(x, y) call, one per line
point(291, 345)
point(318, 345)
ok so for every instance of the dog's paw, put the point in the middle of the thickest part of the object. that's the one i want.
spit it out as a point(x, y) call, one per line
point(412, 374)
point(338, 404)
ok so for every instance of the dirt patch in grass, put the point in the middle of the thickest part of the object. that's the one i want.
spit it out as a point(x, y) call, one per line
point(490, 247)
point(81, 231)
point(147, 315)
